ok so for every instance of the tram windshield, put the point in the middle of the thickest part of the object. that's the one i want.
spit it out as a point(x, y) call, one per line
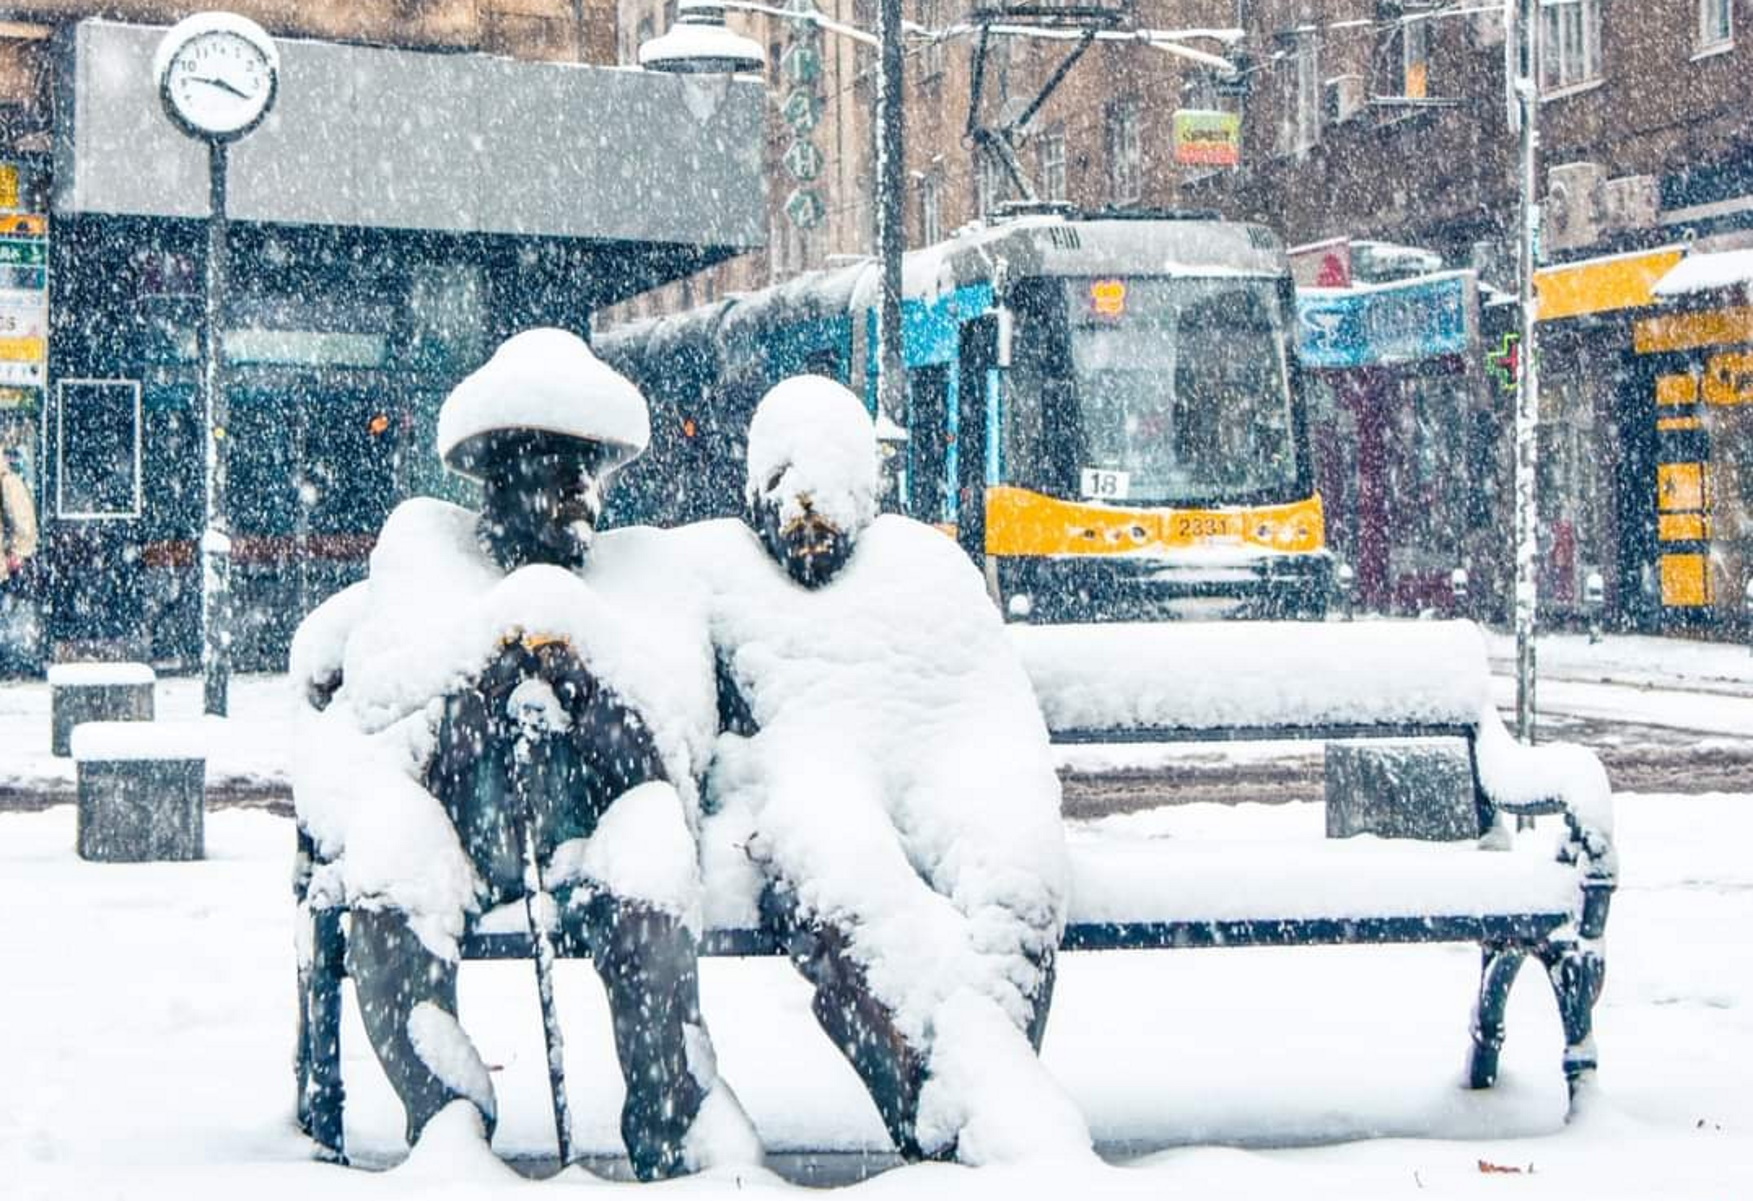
point(1179, 389)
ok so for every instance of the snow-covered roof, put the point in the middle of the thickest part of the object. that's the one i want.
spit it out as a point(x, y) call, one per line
point(546, 379)
point(1707, 272)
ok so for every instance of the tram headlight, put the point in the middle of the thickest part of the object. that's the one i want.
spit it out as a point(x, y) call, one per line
point(1020, 606)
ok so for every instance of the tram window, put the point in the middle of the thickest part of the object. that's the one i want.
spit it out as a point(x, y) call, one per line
point(1187, 391)
point(1039, 438)
point(98, 449)
point(928, 443)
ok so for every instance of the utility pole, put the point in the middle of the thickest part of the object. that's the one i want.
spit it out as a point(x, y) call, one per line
point(1526, 86)
point(891, 196)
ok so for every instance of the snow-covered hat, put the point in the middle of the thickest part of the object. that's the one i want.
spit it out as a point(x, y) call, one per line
point(546, 381)
point(815, 437)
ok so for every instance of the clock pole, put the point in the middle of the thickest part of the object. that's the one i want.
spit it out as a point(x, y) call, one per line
point(216, 537)
point(218, 74)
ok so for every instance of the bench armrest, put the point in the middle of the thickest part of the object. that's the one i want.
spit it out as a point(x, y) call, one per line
point(1556, 778)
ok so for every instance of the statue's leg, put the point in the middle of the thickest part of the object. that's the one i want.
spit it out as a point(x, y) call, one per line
point(860, 1025)
point(1041, 997)
point(407, 998)
point(1498, 968)
point(645, 957)
point(641, 868)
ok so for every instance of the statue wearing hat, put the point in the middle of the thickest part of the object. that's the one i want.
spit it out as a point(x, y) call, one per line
point(482, 707)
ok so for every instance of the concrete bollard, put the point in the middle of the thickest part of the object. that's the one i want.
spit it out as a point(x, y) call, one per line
point(142, 790)
point(1400, 789)
point(82, 692)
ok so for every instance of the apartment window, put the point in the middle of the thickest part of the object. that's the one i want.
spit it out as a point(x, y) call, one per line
point(993, 183)
point(930, 211)
point(1570, 48)
point(1415, 59)
point(1716, 23)
point(1052, 150)
point(1125, 153)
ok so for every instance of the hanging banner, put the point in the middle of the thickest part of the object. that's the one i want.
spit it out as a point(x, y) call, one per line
point(1207, 138)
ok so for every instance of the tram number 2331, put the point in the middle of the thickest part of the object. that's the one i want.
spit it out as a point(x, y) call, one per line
point(1096, 484)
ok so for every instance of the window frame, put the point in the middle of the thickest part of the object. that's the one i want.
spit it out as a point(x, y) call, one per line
point(1415, 59)
point(1570, 52)
point(1052, 166)
point(1716, 25)
point(62, 511)
point(1125, 152)
point(930, 210)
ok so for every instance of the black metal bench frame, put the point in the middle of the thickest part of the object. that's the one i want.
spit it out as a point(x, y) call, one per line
point(1566, 942)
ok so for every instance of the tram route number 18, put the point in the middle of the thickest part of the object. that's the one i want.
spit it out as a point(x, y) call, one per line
point(1096, 484)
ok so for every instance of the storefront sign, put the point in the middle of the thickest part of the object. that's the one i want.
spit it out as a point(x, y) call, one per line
point(9, 189)
point(1603, 285)
point(1208, 138)
point(1322, 264)
point(1728, 378)
point(1381, 326)
point(24, 302)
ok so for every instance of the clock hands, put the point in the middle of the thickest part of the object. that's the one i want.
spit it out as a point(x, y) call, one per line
point(224, 85)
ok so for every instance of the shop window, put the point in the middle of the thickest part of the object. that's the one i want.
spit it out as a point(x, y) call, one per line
point(97, 448)
point(1125, 153)
point(1570, 46)
point(1716, 23)
point(1052, 152)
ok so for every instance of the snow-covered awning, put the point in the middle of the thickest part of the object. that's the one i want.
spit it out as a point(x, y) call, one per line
point(1709, 272)
point(368, 137)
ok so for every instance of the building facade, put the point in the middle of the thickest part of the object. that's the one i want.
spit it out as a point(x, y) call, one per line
point(1385, 124)
point(432, 179)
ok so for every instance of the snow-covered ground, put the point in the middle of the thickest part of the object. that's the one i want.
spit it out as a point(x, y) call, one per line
point(147, 1017)
point(147, 1012)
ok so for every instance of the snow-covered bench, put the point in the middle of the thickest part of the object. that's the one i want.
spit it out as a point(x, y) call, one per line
point(1257, 681)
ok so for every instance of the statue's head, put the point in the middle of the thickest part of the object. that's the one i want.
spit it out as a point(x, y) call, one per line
point(543, 426)
point(812, 478)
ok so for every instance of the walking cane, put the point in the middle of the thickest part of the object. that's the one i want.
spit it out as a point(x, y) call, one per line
point(538, 712)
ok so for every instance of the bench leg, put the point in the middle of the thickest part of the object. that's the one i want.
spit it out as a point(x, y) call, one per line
point(1577, 970)
point(1497, 973)
point(323, 1098)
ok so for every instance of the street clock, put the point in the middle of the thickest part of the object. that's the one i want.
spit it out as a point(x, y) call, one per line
point(218, 74)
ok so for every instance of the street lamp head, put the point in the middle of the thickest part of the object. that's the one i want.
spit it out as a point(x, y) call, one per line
point(699, 43)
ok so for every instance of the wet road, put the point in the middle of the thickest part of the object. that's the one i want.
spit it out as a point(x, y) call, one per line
point(1638, 758)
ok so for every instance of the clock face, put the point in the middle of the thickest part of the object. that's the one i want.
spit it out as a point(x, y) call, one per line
point(219, 84)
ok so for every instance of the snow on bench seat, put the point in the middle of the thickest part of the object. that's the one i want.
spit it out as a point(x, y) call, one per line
point(1174, 880)
point(1136, 882)
point(1210, 675)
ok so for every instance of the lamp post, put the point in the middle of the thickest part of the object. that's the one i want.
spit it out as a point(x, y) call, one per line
point(1525, 83)
point(700, 43)
point(891, 175)
point(218, 75)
